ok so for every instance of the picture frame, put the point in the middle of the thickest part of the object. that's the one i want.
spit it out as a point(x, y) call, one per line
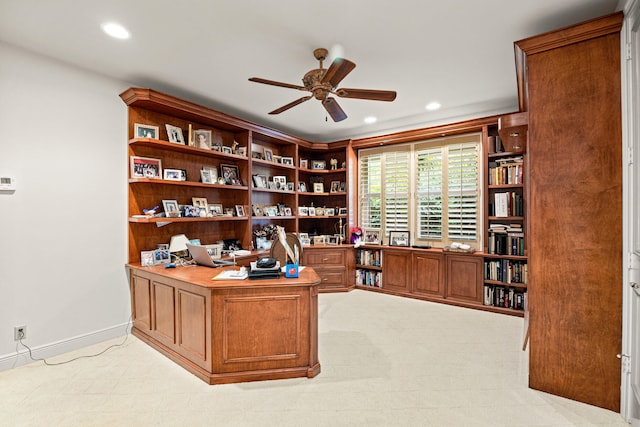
point(371, 236)
point(318, 187)
point(399, 238)
point(161, 256)
point(259, 181)
point(303, 211)
point(241, 151)
point(304, 239)
point(277, 159)
point(146, 167)
point(257, 155)
point(226, 149)
point(258, 210)
point(302, 187)
point(343, 186)
point(175, 134)
point(287, 211)
point(335, 187)
point(280, 182)
point(312, 211)
point(199, 202)
point(215, 209)
point(271, 211)
point(332, 240)
point(172, 174)
point(240, 210)
point(171, 208)
point(268, 154)
point(202, 139)
point(329, 211)
point(209, 175)
point(320, 211)
point(287, 161)
point(290, 186)
point(319, 240)
point(147, 258)
point(342, 211)
point(145, 131)
point(304, 164)
point(318, 164)
point(231, 174)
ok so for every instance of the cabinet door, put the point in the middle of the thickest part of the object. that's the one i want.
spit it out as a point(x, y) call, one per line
point(428, 274)
point(396, 270)
point(464, 278)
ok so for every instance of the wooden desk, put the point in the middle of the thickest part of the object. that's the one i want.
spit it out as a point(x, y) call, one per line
point(228, 331)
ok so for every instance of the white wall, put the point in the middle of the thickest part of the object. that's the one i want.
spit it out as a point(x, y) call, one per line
point(63, 232)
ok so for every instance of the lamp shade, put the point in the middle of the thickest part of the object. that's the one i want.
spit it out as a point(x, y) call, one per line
point(178, 243)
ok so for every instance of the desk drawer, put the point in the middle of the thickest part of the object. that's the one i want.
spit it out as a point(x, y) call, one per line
point(332, 277)
point(317, 258)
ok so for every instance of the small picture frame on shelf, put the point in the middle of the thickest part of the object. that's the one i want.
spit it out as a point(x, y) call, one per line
point(202, 139)
point(172, 174)
point(175, 134)
point(332, 240)
point(318, 164)
point(335, 186)
point(259, 181)
point(304, 239)
point(268, 154)
point(257, 155)
point(146, 258)
point(209, 175)
point(271, 211)
point(241, 151)
point(146, 167)
point(145, 131)
point(215, 209)
point(303, 211)
point(312, 211)
point(343, 186)
point(304, 164)
point(302, 187)
point(342, 211)
point(231, 174)
point(371, 237)
point(239, 210)
point(258, 210)
point(280, 182)
point(287, 211)
point(399, 238)
point(277, 159)
point(320, 211)
point(287, 161)
point(226, 150)
point(319, 240)
point(171, 208)
point(329, 211)
point(199, 202)
point(289, 186)
point(190, 211)
point(318, 187)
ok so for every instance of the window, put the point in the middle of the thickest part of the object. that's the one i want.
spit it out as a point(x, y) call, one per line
point(431, 188)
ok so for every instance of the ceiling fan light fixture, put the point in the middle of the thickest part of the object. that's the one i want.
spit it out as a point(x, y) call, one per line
point(432, 106)
point(116, 31)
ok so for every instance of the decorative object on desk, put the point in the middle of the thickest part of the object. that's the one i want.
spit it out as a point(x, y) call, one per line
point(335, 186)
point(231, 174)
point(318, 164)
point(161, 256)
point(459, 247)
point(171, 208)
point(291, 271)
point(146, 167)
point(175, 134)
point(150, 212)
point(399, 238)
point(356, 235)
point(372, 237)
point(214, 250)
point(145, 131)
point(333, 164)
point(202, 139)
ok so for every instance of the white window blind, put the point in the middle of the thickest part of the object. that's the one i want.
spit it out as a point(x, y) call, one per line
point(396, 191)
point(429, 193)
point(370, 173)
point(462, 171)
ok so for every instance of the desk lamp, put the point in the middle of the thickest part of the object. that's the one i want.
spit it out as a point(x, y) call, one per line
point(178, 245)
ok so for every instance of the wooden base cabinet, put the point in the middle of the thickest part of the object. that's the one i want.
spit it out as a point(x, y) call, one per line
point(396, 270)
point(334, 265)
point(464, 278)
point(428, 274)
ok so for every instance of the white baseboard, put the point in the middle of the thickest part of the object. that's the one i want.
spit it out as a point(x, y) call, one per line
point(21, 357)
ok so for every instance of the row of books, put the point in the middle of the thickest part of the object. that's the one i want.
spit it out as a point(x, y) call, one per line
point(369, 278)
point(502, 243)
point(505, 204)
point(369, 257)
point(501, 296)
point(506, 171)
point(506, 270)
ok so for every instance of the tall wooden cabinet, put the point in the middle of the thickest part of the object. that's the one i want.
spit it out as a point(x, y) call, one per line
point(570, 81)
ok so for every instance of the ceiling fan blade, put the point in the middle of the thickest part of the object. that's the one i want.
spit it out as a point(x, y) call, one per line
point(274, 83)
point(338, 70)
point(375, 95)
point(291, 104)
point(334, 110)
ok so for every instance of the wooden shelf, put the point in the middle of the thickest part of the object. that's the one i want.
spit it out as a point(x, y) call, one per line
point(187, 184)
point(187, 219)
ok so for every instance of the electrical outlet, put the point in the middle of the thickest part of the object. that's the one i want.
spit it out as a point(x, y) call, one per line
point(19, 332)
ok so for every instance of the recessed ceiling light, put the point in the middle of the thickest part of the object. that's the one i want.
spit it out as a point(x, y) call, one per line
point(115, 30)
point(370, 120)
point(433, 106)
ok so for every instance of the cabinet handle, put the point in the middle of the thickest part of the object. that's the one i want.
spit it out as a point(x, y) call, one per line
point(325, 279)
point(325, 259)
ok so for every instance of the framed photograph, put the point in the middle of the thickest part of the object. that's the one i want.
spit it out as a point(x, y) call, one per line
point(318, 164)
point(287, 211)
point(289, 186)
point(277, 159)
point(304, 239)
point(268, 154)
point(399, 238)
point(226, 149)
point(256, 155)
point(175, 134)
point(332, 240)
point(172, 174)
point(171, 208)
point(280, 182)
point(161, 256)
point(271, 211)
point(146, 167)
point(320, 211)
point(190, 211)
point(319, 240)
point(329, 211)
point(209, 175)
point(335, 186)
point(199, 202)
point(318, 187)
point(145, 131)
point(239, 210)
point(258, 210)
point(259, 181)
point(302, 187)
point(287, 161)
point(372, 237)
point(342, 211)
point(343, 186)
point(241, 151)
point(202, 139)
point(146, 258)
point(303, 211)
point(312, 211)
point(304, 164)
point(231, 174)
point(215, 209)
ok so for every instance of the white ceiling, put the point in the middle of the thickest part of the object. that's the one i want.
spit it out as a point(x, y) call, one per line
point(459, 53)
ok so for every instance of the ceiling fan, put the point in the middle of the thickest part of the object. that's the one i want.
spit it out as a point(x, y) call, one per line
point(321, 82)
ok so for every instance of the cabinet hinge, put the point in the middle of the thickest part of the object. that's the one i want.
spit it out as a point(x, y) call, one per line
point(625, 359)
point(628, 53)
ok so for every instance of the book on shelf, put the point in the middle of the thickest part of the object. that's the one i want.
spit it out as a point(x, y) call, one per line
point(505, 297)
point(368, 278)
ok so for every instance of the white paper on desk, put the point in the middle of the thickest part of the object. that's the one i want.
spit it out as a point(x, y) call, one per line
point(231, 275)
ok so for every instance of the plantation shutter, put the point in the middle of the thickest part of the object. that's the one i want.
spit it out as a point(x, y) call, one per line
point(370, 173)
point(429, 193)
point(396, 190)
point(462, 171)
